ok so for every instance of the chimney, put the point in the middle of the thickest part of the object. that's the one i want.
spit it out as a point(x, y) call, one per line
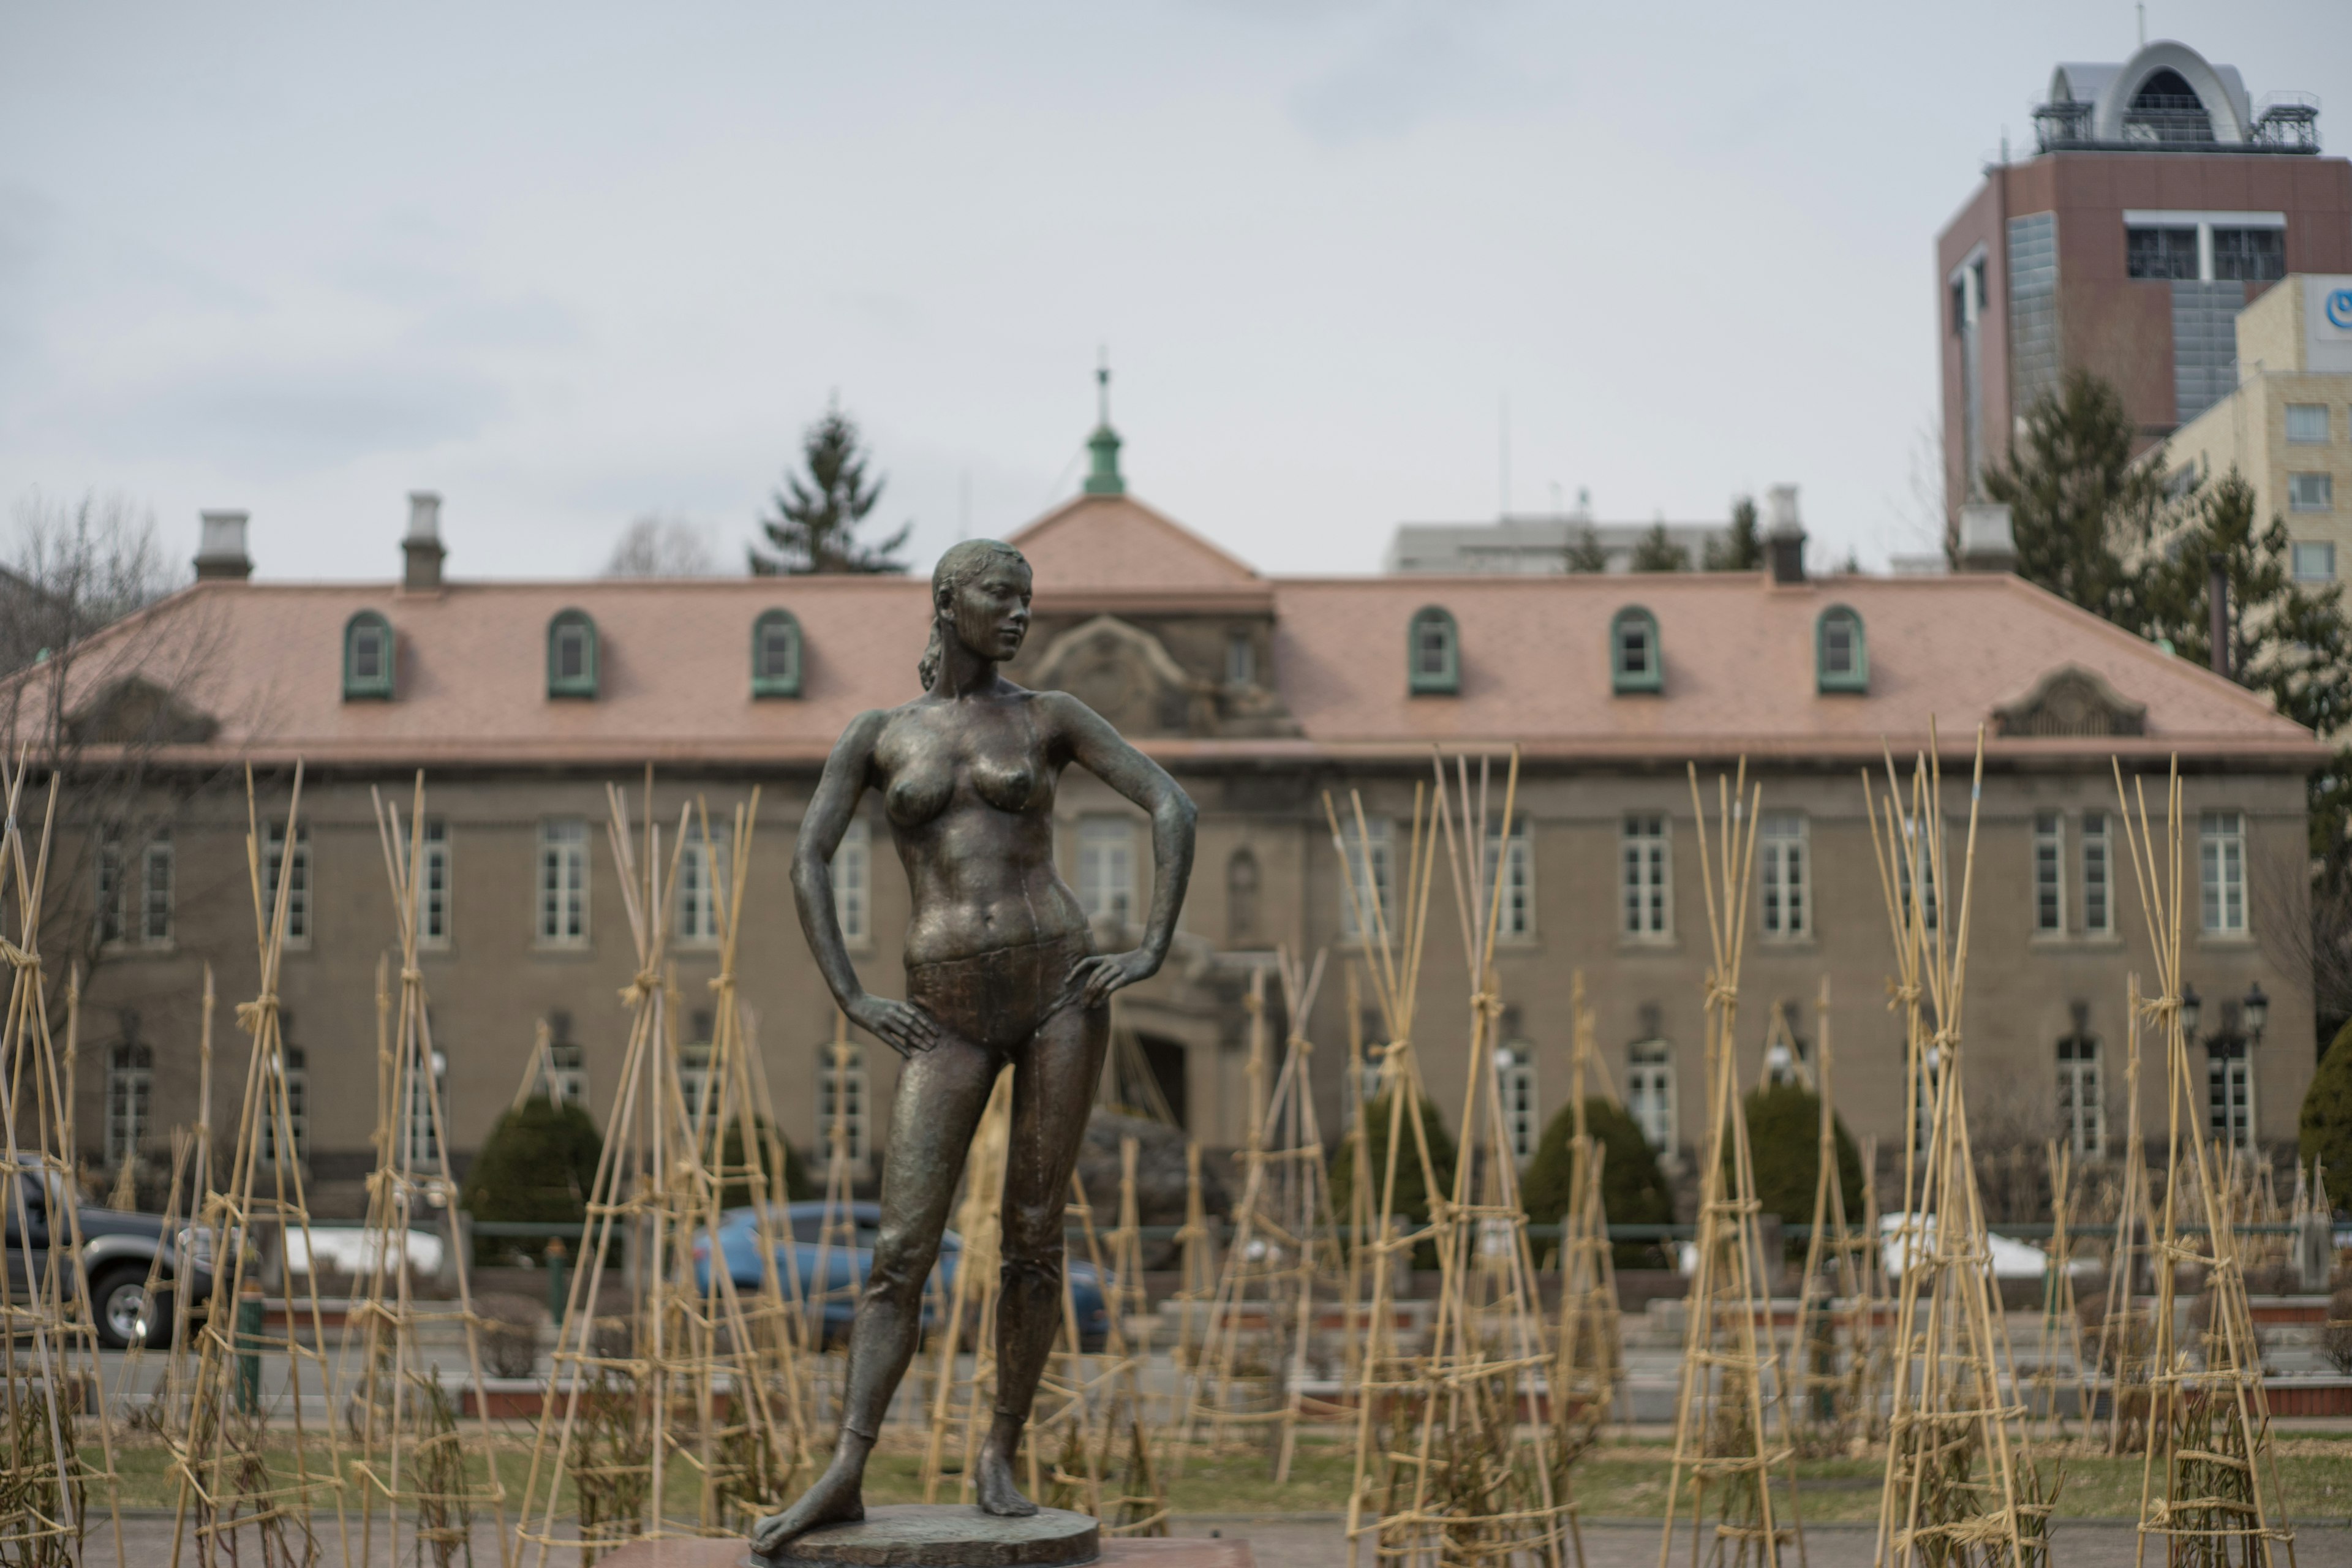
point(423, 545)
point(220, 549)
point(1987, 542)
point(1784, 536)
point(2217, 596)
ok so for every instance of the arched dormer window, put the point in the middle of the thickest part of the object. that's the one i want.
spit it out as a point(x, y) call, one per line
point(1841, 653)
point(572, 655)
point(1636, 663)
point(776, 655)
point(1433, 654)
point(367, 658)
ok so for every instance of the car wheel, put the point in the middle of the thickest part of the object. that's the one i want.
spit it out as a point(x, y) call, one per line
point(119, 1296)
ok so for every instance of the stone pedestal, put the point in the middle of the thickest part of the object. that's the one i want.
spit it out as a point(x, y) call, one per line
point(914, 1536)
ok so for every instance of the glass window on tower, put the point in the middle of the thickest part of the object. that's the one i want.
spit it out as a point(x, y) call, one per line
point(2161, 253)
point(2249, 255)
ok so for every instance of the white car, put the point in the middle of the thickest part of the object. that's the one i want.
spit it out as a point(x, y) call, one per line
point(356, 1250)
point(2011, 1258)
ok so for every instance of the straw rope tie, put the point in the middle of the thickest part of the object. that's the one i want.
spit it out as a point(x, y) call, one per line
point(250, 1015)
point(1902, 997)
point(1722, 992)
point(645, 984)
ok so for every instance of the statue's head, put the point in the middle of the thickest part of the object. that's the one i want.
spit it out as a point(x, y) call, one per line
point(980, 597)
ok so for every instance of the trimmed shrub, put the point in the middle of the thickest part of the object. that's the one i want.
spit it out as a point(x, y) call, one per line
point(536, 1165)
point(1784, 1135)
point(739, 1193)
point(1412, 1197)
point(1633, 1191)
point(510, 1333)
point(2327, 1108)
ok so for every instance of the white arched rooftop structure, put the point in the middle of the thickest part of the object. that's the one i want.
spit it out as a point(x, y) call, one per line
point(2165, 92)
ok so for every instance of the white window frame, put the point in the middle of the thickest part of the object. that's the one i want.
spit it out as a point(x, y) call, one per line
point(1930, 903)
point(2081, 1096)
point(695, 1079)
point(2307, 410)
point(156, 892)
point(2322, 558)
point(2049, 873)
point(1106, 878)
point(853, 883)
point(130, 1098)
point(568, 1067)
point(1515, 921)
point(849, 1078)
point(2221, 873)
point(700, 891)
point(1784, 875)
point(297, 901)
point(418, 1124)
point(434, 898)
point(1241, 660)
point(560, 890)
point(109, 898)
point(2098, 860)
point(1514, 1091)
point(2229, 1098)
point(293, 1068)
point(2311, 492)
point(1366, 871)
point(1645, 878)
point(1650, 1092)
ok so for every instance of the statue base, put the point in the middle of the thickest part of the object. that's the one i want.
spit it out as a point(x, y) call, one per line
point(1119, 1552)
point(930, 1535)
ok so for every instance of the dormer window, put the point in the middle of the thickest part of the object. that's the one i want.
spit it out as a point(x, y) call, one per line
point(1636, 663)
point(1433, 655)
point(572, 655)
point(1840, 654)
point(776, 655)
point(367, 658)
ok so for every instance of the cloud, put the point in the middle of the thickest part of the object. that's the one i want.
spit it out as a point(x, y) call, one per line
point(296, 415)
point(1417, 67)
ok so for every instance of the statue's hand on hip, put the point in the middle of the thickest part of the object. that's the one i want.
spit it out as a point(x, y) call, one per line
point(1092, 980)
point(903, 1026)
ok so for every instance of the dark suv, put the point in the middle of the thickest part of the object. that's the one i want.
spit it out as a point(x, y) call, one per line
point(118, 1252)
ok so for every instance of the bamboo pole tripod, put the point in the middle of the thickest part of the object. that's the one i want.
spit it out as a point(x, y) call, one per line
point(49, 1366)
point(1588, 1378)
point(248, 1457)
point(2062, 1322)
point(2127, 1333)
point(660, 1423)
point(2210, 1485)
point(1729, 1367)
point(423, 1473)
point(1283, 1271)
point(1952, 1408)
point(184, 1207)
point(1830, 1351)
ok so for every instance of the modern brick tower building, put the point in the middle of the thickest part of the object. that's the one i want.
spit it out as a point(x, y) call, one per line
point(2158, 201)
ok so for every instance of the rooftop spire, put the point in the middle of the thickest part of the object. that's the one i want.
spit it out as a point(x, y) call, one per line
point(1105, 479)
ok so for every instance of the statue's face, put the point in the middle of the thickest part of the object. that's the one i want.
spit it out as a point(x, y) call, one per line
point(992, 610)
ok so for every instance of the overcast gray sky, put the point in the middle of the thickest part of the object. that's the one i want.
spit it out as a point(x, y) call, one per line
point(569, 263)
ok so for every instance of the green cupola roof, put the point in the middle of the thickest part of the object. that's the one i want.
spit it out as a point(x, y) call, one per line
point(1104, 479)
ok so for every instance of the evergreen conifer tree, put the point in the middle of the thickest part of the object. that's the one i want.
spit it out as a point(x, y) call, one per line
point(1657, 552)
point(815, 529)
point(1744, 551)
point(2327, 1130)
point(1587, 553)
point(2077, 503)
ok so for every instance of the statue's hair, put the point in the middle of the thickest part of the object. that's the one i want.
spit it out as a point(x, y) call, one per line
point(964, 559)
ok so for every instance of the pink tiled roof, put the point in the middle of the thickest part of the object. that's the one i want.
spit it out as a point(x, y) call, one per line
point(264, 659)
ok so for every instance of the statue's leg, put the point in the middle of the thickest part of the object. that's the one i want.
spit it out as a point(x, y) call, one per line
point(1052, 1093)
point(942, 1093)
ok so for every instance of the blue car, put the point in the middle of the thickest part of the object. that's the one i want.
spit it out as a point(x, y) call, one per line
point(846, 1268)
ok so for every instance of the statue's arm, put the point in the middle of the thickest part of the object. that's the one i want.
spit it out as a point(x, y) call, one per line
point(1095, 746)
point(903, 1028)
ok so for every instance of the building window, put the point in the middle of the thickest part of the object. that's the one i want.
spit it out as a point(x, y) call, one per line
point(2049, 872)
point(432, 885)
point(108, 894)
point(1923, 1106)
point(1368, 896)
point(701, 883)
point(2221, 859)
point(2161, 253)
point(129, 1080)
point(1436, 654)
point(1781, 846)
point(841, 1095)
point(139, 911)
point(1924, 852)
point(572, 655)
point(2311, 492)
point(2315, 561)
point(367, 658)
point(2098, 909)
point(1840, 656)
point(564, 881)
point(1241, 899)
point(2249, 255)
point(2230, 1093)
point(776, 655)
point(1635, 661)
point(1515, 861)
point(1648, 862)
point(694, 1071)
point(1650, 1092)
point(2306, 424)
point(1107, 869)
point(296, 1078)
point(568, 1070)
point(1515, 1085)
point(853, 883)
point(1241, 660)
point(2082, 1112)
point(298, 880)
point(420, 1117)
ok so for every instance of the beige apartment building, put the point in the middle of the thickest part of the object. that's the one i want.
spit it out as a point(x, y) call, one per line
point(521, 701)
point(2287, 426)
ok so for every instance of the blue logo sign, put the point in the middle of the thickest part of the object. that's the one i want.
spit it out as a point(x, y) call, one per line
point(2339, 309)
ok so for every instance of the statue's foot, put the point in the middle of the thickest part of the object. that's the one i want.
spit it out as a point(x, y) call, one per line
point(835, 1497)
point(993, 1479)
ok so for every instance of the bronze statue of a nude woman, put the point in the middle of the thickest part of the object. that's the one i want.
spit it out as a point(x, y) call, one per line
point(999, 969)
